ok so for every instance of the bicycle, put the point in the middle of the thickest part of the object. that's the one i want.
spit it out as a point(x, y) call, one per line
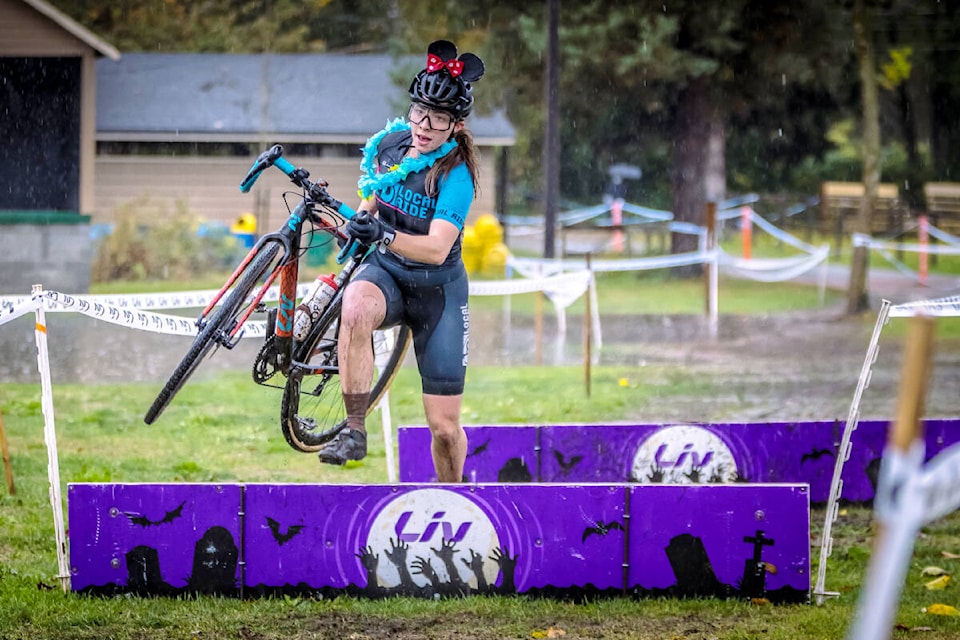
point(311, 411)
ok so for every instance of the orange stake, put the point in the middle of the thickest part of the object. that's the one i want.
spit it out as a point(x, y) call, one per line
point(746, 231)
point(8, 469)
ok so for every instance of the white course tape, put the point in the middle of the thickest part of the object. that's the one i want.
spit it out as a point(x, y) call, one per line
point(136, 310)
point(530, 267)
point(127, 317)
point(943, 307)
point(773, 269)
point(863, 240)
point(13, 308)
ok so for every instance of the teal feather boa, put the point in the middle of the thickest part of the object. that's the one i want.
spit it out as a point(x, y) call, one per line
point(371, 181)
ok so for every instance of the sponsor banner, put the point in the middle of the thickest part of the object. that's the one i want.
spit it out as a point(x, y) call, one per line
point(434, 540)
point(687, 453)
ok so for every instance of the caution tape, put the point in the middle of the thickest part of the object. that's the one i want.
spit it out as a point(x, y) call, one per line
point(140, 311)
point(943, 307)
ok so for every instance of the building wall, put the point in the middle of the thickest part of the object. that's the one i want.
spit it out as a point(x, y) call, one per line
point(209, 186)
point(57, 256)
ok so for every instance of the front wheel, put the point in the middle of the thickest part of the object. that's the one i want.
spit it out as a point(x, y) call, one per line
point(312, 410)
point(220, 322)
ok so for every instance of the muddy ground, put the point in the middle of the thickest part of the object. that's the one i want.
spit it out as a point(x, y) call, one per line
point(803, 365)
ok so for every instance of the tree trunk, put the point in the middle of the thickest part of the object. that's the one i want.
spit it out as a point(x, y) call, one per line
point(551, 143)
point(688, 174)
point(715, 180)
point(858, 298)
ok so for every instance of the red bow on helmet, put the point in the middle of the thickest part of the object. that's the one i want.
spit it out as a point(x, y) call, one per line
point(436, 63)
point(442, 54)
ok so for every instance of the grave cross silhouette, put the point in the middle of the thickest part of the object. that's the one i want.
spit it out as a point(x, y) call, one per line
point(759, 542)
point(753, 583)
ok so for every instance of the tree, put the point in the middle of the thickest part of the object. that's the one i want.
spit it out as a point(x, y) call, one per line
point(237, 26)
point(857, 295)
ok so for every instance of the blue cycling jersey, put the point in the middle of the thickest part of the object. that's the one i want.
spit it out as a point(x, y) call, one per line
point(406, 206)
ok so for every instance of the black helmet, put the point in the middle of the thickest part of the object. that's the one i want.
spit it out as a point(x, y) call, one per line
point(445, 83)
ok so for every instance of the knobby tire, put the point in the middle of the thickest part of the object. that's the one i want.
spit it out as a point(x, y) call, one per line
point(220, 320)
point(312, 411)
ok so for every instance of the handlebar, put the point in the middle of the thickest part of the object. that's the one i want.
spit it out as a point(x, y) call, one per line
point(273, 157)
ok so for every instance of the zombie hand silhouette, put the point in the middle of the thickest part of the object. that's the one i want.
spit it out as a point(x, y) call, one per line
point(398, 552)
point(369, 560)
point(398, 556)
point(446, 551)
point(694, 475)
point(508, 566)
point(475, 564)
point(422, 567)
point(448, 548)
point(656, 473)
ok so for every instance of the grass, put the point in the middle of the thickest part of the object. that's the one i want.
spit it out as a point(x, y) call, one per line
point(102, 439)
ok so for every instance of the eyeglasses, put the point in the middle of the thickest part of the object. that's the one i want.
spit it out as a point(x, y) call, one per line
point(436, 120)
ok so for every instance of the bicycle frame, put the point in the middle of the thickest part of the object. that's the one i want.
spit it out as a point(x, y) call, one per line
point(288, 267)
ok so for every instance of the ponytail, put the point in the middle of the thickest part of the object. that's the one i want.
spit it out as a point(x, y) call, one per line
point(464, 152)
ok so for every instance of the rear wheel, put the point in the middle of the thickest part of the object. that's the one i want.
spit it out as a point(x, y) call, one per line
point(220, 322)
point(312, 411)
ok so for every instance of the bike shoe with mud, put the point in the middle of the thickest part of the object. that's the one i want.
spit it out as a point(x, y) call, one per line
point(349, 444)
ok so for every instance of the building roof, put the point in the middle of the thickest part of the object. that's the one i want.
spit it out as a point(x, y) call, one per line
point(69, 25)
point(320, 98)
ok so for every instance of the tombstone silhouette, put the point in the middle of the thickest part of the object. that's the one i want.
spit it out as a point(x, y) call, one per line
point(515, 470)
point(143, 571)
point(214, 563)
point(691, 565)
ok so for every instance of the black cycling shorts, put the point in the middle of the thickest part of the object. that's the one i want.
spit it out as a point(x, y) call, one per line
point(433, 302)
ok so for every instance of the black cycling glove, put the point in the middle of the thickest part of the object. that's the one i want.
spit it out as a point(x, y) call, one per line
point(367, 229)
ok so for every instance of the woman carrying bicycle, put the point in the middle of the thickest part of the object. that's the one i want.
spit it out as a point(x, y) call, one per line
point(418, 182)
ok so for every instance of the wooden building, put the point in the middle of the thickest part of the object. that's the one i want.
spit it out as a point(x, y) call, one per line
point(183, 129)
point(47, 146)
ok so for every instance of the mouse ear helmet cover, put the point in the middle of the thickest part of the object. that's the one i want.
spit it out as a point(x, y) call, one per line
point(445, 83)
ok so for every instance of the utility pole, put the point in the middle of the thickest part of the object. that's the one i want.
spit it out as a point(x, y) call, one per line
point(551, 141)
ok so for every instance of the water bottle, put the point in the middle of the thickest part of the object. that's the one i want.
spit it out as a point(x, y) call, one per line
point(316, 300)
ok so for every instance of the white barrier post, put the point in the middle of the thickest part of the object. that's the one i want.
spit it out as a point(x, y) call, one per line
point(924, 240)
point(389, 340)
point(843, 453)
point(50, 438)
point(712, 266)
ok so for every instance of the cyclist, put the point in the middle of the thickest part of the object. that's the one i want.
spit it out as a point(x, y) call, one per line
point(418, 180)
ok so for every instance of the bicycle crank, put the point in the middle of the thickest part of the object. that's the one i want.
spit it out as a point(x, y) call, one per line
point(265, 364)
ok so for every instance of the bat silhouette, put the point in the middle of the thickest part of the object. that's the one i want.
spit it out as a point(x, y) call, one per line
point(601, 529)
point(281, 538)
point(815, 454)
point(144, 521)
point(479, 449)
point(565, 464)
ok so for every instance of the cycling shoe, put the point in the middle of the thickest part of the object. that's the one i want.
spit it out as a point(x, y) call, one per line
point(349, 444)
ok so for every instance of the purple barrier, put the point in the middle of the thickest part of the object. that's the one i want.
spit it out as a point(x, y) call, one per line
point(426, 540)
point(689, 453)
point(157, 538)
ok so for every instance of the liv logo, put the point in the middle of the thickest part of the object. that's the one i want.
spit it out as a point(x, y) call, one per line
point(684, 454)
point(688, 453)
point(444, 528)
point(435, 526)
